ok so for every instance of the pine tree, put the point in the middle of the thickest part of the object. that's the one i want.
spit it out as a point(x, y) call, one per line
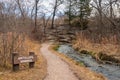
point(80, 10)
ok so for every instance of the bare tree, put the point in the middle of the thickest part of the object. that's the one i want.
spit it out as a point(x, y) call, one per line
point(98, 6)
point(57, 4)
point(36, 12)
point(20, 8)
point(45, 21)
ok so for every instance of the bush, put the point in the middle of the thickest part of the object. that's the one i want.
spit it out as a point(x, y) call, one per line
point(56, 47)
point(13, 42)
point(82, 24)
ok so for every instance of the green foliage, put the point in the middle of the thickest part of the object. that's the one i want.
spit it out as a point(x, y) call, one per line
point(92, 54)
point(56, 47)
point(79, 9)
point(80, 63)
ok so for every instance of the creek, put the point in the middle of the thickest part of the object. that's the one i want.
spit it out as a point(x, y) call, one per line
point(112, 72)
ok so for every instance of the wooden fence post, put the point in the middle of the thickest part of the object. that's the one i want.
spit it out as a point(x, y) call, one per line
point(15, 63)
point(31, 64)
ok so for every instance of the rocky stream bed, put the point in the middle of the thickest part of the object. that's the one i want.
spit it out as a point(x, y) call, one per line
point(112, 72)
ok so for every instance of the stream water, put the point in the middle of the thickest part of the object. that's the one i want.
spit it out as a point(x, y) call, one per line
point(112, 72)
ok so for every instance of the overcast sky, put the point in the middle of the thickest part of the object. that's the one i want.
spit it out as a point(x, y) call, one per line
point(45, 4)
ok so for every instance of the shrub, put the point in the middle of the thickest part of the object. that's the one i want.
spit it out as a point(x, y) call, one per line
point(13, 42)
point(56, 47)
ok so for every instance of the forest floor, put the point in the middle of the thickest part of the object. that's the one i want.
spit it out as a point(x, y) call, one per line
point(57, 68)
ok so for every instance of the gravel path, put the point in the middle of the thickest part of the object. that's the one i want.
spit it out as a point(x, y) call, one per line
point(57, 69)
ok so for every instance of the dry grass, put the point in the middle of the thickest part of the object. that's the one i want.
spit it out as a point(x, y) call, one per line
point(106, 45)
point(81, 72)
point(37, 73)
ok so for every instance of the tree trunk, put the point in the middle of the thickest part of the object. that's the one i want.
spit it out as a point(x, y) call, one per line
point(35, 28)
point(54, 13)
point(111, 9)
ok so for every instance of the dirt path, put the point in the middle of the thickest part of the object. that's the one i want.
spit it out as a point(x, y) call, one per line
point(57, 69)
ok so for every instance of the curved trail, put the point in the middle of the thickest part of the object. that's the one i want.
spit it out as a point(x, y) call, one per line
point(57, 69)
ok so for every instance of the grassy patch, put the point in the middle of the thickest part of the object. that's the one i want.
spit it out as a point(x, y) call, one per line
point(80, 63)
point(56, 47)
